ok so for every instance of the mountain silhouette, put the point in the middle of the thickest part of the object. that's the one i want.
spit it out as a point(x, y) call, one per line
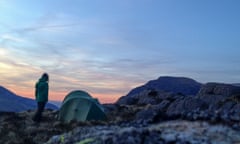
point(11, 102)
point(183, 85)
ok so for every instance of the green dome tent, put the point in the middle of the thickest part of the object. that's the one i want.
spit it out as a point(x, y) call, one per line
point(80, 106)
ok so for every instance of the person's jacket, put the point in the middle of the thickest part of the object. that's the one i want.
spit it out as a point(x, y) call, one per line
point(41, 92)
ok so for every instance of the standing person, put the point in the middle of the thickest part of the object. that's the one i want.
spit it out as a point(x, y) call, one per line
point(41, 94)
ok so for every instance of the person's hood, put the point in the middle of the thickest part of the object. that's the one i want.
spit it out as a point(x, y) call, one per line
point(42, 79)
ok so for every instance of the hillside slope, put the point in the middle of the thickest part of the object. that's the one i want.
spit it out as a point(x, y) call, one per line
point(10, 102)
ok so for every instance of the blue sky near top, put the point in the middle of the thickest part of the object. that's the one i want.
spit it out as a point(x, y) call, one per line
point(108, 47)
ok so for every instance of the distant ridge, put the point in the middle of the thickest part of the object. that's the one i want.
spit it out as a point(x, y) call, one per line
point(56, 103)
point(183, 85)
point(11, 102)
point(236, 84)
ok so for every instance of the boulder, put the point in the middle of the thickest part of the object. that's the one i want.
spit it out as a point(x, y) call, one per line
point(184, 106)
point(224, 110)
point(220, 98)
point(214, 101)
point(146, 115)
point(219, 89)
point(162, 106)
point(235, 113)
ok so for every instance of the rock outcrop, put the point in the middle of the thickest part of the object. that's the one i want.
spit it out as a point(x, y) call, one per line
point(226, 90)
point(215, 102)
point(180, 132)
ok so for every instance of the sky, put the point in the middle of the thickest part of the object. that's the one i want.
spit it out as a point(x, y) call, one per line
point(108, 47)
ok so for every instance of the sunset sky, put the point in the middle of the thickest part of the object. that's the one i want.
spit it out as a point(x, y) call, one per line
point(108, 47)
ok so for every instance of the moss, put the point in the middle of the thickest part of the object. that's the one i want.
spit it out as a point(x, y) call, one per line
point(62, 138)
point(86, 141)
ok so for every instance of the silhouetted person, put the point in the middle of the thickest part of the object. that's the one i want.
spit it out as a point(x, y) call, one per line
point(41, 94)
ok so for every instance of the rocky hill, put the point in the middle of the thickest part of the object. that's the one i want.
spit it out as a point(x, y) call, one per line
point(182, 85)
point(10, 102)
point(177, 85)
point(211, 116)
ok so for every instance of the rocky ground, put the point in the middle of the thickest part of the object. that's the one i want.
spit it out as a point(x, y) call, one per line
point(18, 128)
point(211, 117)
point(180, 132)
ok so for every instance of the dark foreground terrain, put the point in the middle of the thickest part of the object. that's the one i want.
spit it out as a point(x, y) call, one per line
point(151, 116)
point(18, 128)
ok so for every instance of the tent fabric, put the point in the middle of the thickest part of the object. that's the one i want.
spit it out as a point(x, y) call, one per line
point(80, 106)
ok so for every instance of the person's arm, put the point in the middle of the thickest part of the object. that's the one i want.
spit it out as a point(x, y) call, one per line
point(36, 90)
point(45, 92)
